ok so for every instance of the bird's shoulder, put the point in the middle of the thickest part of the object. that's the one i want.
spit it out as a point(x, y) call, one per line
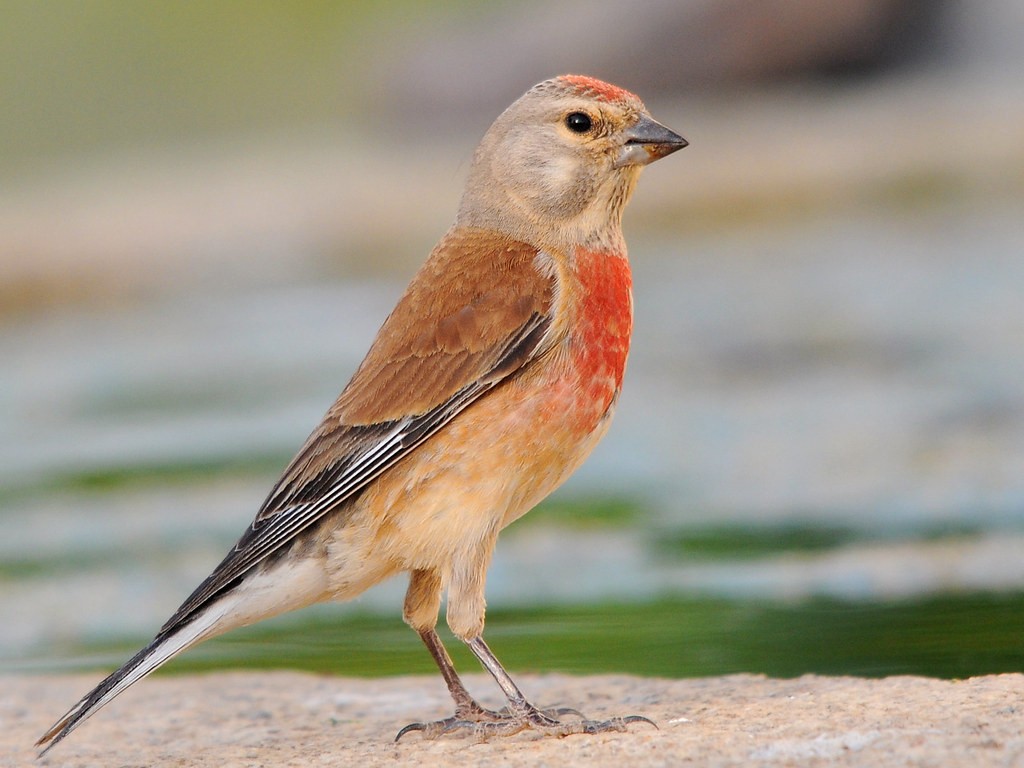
point(476, 310)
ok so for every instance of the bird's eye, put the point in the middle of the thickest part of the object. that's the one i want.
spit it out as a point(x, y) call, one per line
point(578, 122)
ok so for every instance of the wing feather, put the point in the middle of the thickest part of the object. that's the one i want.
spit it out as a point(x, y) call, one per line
point(477, 312)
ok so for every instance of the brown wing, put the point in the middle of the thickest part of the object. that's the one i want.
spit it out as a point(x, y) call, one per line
point(475, 313)
point(451, 327)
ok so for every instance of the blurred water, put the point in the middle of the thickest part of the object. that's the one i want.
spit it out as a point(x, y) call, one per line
point(860, 369)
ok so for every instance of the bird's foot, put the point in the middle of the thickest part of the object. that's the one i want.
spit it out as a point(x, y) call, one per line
point(470, 712)
point(484, 723)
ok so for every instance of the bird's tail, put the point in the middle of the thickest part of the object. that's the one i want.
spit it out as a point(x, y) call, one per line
point(263, 593)
point(164, 647)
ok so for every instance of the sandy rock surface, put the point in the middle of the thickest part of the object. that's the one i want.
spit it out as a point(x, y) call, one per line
point(291, 719)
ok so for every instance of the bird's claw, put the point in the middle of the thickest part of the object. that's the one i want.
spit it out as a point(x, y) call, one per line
point(638, 719)
point(466, 714)
point(430, 730)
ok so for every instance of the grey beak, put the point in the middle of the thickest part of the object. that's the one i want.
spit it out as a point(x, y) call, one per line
point(648, 141)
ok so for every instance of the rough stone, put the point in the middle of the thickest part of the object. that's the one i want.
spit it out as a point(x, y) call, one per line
point(292, 719)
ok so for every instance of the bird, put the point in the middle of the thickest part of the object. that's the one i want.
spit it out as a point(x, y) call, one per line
point(490, 382)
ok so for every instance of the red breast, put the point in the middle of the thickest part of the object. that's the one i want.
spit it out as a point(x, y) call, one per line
point(602, 329)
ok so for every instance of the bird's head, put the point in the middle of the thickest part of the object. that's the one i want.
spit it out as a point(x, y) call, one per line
point(564, 158)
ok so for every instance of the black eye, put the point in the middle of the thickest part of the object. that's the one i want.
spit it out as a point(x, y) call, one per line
point(578, 122)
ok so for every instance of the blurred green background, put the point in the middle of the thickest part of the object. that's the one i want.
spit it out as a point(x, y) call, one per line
point(207, 209)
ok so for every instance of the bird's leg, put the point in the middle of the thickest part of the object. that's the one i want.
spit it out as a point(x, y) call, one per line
point(465, 617)
point(522, 714)
point(467, 710)
point(466, 707)
point(518, 715)
point(422, 601)
point(519, 709)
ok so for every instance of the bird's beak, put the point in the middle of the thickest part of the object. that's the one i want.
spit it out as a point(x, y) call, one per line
point(647, 141)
